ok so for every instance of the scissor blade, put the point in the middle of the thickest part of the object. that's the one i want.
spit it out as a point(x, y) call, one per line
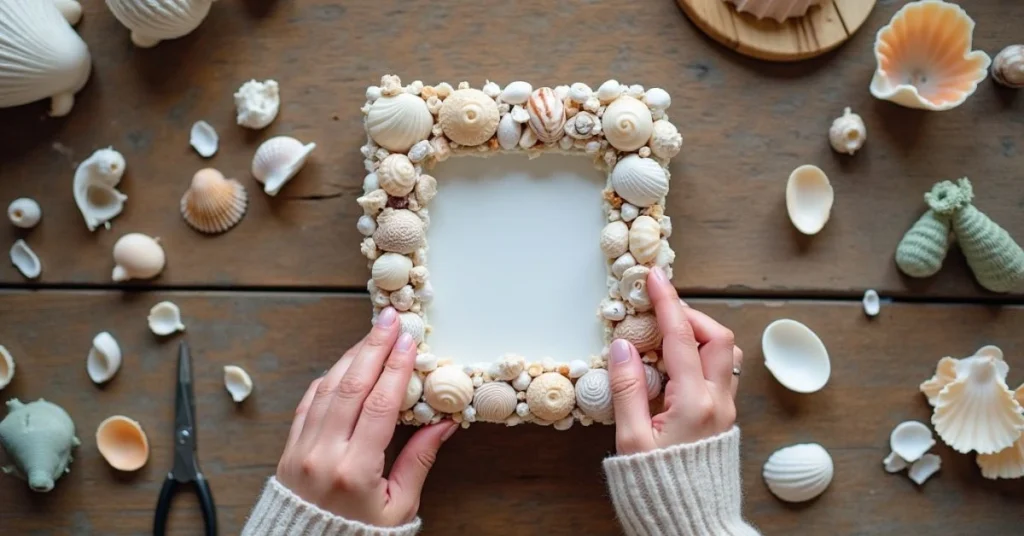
point(185, 465)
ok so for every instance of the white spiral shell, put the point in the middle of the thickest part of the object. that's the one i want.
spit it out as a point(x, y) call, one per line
point(615, 239)
point(666, 141)
point(152, 21)
point(633, 288)
point(448, 389)
point(547, 115)
point(397, 175)
point(399, 231)
point(798, 473)
point(397, 122)
point(641, 330)
point(627, 124)
point(468, 117)
point(551, 396)
point(644, 239)
point(391, 271)
point(494, 402)
point(594, 395)
point(641, 181)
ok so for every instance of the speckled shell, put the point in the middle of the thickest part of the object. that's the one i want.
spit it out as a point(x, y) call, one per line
point(152, 21)
point(1008, 67)
point(397, 175)
point(641, 330)
point(213, 204)
point(391, 271)
point(633, 288)
point(547, 115)
point(666, 142)
point(551, 396)
point(448, 389)
point(412, 324)
point(594, 395)
point(627, 124)
point(397, 123)
point(644, 239)
point(468, 117)
point(641, 181)
point(399, 231)
point(509, 132)
point(413, 391)
point(653, 378)
point(615, 239)
point(583, 125)
point(494, 402)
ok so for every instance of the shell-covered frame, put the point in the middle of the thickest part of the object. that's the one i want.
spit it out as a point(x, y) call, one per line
point(626, 132)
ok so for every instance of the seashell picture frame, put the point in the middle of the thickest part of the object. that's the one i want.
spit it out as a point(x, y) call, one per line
point(622, 128)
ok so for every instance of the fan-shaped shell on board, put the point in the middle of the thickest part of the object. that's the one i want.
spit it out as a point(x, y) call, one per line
point(494, 402)
point(468, 117)
point(1008, 67)
point(398, 122)
point(104, 359)
point(641, 330)
point(137, 256)
point(644, 239)
point(41, 56)
point(977, 411)
point(237, 382)
point(397, 175)
point(910, 440)
point(809, 199)
point(399, 231)
point(448, 389)
point(122, 443)
point(641, 181)
point(94, 187)
point(547, 115)
point(795, 356)
point(798, 473)
point(391, 271)
point(213, 203)
point(627, 124)
point(633, 288)
point(551, 396)
point(778, 10)
point(25, 260)
point(152, 21)
point(165, 318)
point(279, 159)
point(24, 213)
point(6, 367)
point(615, 239)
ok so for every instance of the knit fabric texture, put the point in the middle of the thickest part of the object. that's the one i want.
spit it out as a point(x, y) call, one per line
point(279, 512)
point(684, 490)
point(921, 251)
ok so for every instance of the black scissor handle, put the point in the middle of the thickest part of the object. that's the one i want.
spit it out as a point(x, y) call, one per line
point(163, 505)
point(206, 503)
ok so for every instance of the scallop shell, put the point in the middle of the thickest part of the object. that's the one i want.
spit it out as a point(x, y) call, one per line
point(468, 117)
point(644, 239)
point(641, 181)
point(278, 160)
point(448, 389)
point(213, 204)
point(152, 21)
point(203, 138)
point(25, 260)
point(798, 473)
point(413, 392)
point(237, 382)
point(795, 356)
point(397, 175)
point(779, 10)
point(165, 318)
point(910, 440)
point(1008, 67)
point(654, 380)
point(391, 271)
point(847, 133)
point(923, 469)
point(633, 288)
point(494, 402)
point(622, 264)
point(403, 298)
point(137, 256)
point(94, 191)
point(24, 213)
point(6, 367)
point(516, 92)
point(257, 104)
point(1007, 463)
point(397, 122)
point(615, 239)
point(399, 231)
point(509, 132)
point(104, 359)
point(925, 59)
point(594, 395)
point(70, 10)
point(666, 142)
point(641, 330)
point(414, 325)
point(627, 124)
point(976, 411)
point(809, 199)
point(122, 443)
point(40, 56)
point(872, 303)
point(551, 396)
point(547, 115)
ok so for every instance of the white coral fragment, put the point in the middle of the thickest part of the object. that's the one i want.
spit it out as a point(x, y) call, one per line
point(257, 103)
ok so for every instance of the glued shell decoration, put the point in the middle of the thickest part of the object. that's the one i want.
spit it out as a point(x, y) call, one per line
point(778, 10)
point(104, 358)
point(516, 92)
point(152, 21)
point(644, 239)
point(397, 175)
point(94, 191)
point(547, 115)
point(398, 122)
point(798, 473)
point(165, 318)
point(509, 132)
point(1008, 67)
point(666, 141)
point(413, 392)
point(795, 356)
point(213, 204)
point(615, 239)
point(976, 411)
point(237, 382)
point(910, 440)
point(391, 271)
point(468, 117)
point(399, 231)
point(448, 389)
point(847, 133)
point(551, 396)
point(925, 59)
point(627, 125)
point(25, 260)
point(641, 181)
point(24, 213)
point(6, 367)
point(40, 56)
point(809, 199)
point(257, 104)
point(278, 160)
point(412, 324)
point(137, 256)
point(633, 288)
point(641, 330)
point(494, 402)
point(122, 443)
point(594, 395)
point(653, 378)
point(203, 138)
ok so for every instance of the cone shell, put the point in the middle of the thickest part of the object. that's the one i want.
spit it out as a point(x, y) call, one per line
point(615, 239)
point(1008, 67)
point(547, 115)
point(641, 181)
point(641, 330)
point(391, 271)
point(993, 255)
point(468, 117)
point(397, 175)
point(551, 396)
point(594, 395)
point(778, 10)
point(399, 231)
point(122, 443)
point(798, 473)
point(644, 239)
point(977, 412)
point(397, 122)
point(213, 204)
point(152, 21)
point(627, 124)
point(448, 389)
point(494, 402)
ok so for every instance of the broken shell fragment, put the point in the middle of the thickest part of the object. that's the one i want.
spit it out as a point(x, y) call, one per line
point(976, 411)
point(278, 160)
point(448, 389)
point(644, 239)
point(798, 473)
point(398, 122)
point(468, 117)
point(894, 464)
point(399, 231)
point(847, 133)
point(910, 440)
point(257, 104)
point(397, 175)
point(165, 318)
point(547, 115)
point(25, 260)
point(627, 124)
point(641, 181)
point(104, 359)
point(391, 271)
point(122, 443)
point(203, 138)
point(1008, 67)
point(237, 382)
point(551, 396)
point(809, 199)
point(494, 402)
point(24, 213)
point(924, 468)
point(137, 256)
point(795, 356)
point(641, 330)
point(6, 367)
point(213, 203)
point(153, 21)
point(872, 303)
point(94, 187)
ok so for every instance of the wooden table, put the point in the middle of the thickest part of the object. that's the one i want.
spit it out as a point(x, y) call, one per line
point(282, 294)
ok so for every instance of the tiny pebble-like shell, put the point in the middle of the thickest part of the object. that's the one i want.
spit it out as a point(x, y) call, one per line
point(847, 133)
point(426, 362)
point(644, 239)
point(413, 391)
point(391, 271)
point(633, 288)
point(366, 225)
point(24, 213)
point(641, 330)
point(516, 93)
point(420, 151)
point(494, 402)
point(640, 181)
point(468, 117)
point(397, 122)
point(622, 264)
point(578, 368)
point(613, 310)
point(448, 389)
point(594, 395)
point(522, 382)
point(627, 124)
point(397, 175)
point(580, 92)
point(412, 324)
point(609, 91)
point(213, 203)
point(422, 412)
point(399, 231)
point(653, 378)
point(1008, 67)
point(403, 298)
point(547, 115)
point(628, 212)
point(657, 99)
point(551, 396)
point(615, 239)
point(25, 260)
point(666, 141)
point(509, 132)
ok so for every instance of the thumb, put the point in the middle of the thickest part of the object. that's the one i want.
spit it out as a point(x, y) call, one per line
point(410, 470)
point(633, 431)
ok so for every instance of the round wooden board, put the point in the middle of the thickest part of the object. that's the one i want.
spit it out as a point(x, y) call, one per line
point(824, 28)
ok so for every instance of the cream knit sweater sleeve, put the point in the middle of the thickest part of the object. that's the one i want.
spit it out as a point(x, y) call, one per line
point(683, 490)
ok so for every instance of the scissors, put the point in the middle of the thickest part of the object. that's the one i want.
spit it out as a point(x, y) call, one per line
point(186, 465)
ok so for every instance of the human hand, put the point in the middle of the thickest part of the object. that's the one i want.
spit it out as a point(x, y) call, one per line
point(334, 456)
point(699, 355)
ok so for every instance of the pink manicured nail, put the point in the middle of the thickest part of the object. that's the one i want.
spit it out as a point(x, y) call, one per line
point(404, 343)
point(450, 432)
point(620, 351)
point(659, 274)
point(387, 317)
point(683, 303)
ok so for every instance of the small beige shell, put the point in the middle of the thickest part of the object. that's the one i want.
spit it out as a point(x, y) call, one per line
point(412, 324)
point(237, 382)
point(627, 124)
point(391, 271)
point(641, 181)
point(583, 125)
point(426, 189)
point(644, 239)
point(413, 392)
point(494, 402)
point(1008, 67)
point(622, 264)
point(403, 299)
point(137, 256)
point(122, 443)
point(469, 117)
point(509, 132)
point(609, 91)
point(809, 198)
point(633, 288)
point(448, 389)
point(666, 141)
point(547, 115)
point(6, 367)
point(594, 395)
point(847, 133)
point(399, 231)
point(580, 92)
point(613, 310)
point(615, 239)
point(213, 203)
point(641, 330)
point(551, 396)
point(373, 202)
point(653, 378)
point(397, 175)
point(397, 122)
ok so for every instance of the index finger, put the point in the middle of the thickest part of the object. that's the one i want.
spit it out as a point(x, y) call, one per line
point(716, 347)
point(679, 346)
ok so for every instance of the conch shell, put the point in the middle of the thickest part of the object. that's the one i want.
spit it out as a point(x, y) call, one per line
point(627, 124)
point(152, 21)
point(38, 438)
point(468, 117)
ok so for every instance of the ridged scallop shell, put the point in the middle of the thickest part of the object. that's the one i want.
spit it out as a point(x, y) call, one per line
point(633, 288)
point(279, 159)
point(615, 239)
point(551, 396)
point(397, 175)
point(779, 10)
point(391, 271)
point(494, 402)
point(798, 473)
point(448, 389)
point(237, 382)
point(25, 260)
point(414, 325)
point(413, 392)
point(104, 359)
point(627, 124)
point(40, 56)
point(399, 231)
point(137, 256)
point(213, 204)
point(94, 187)
point(666, 141)
point(641, 330)
point(1008, 67)
point(644, 239)
point(396, 123)
point(641, 181)
point(152, 21)
point(594, 395)
point(547, 115)
point(122, 443)
point(468, 117)
point(976, 411)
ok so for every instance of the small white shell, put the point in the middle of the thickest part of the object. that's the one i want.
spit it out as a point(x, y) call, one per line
point(398, 122)
point(491, 89)
point(657, 99)
point(640, 181)
point(582, 126)
point(923, 469)
point(872, 303)
point(397, 175)
point(516, 92)
point(577, 368)
point(257, 103)
point(622, 264)
point(399, 231)
point(203, 138)
point(809, 199)
point(795, 356)
point(547, 115)
point(551, 396)
point(137, 256)
point(391, 271)
point(627, 124)
point(426, 362)
point(494, 402)
point(594, 395)
point(213, 203)
point(237, 382)
point(422, 412)
point(403, 298)
point(151, 22)
point(523, 409)
point(613, 310)
point(278, 160)
point(641, 330)
point(628, 212)
point(421, 151)
point(413, 392)
point(165, 318)
point(414, 325)
point(425, 189)
point(366, 225)
point(615, 239)
point(847, 133)
point(468, 117)
point(104, 359)
point(798, 473)
point(522, 382)
point(519, 114)
point(894, 464)
point(370, 183)
point(509, 132)
point(609, 91)
point(666, 141)
point(653, 378)
point(580, 92)
point(6, 367)
point(633, 288)
point(910, 440)
point(24, 212)
point(644, 239)
point(94, 191)
point(25, 260)
point(448, 389)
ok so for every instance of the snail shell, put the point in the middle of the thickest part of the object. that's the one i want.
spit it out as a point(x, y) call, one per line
point(594, 395)
point(633, 288)
point(666, 141)
point(615, 239)
point(1008, 66)
point(391, 271)
point(641, 181)
point(468, 117)
point(644, 239)
point(448, 389)
point(413, 391)
point(641, 330)
point(494, 402)
point(583, 125)
point(397, 122)
point(547, 115)
point(509, 132)
point(627, 124)
point(399, 231)
point(580, 92)
point(551, 396)
point(397, 175)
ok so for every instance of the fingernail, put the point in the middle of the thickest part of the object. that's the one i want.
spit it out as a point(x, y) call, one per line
point(387, 317)
point(449, 432)
point(404, 343)
point(659, 274)
point(620, 351)
point(683, 303)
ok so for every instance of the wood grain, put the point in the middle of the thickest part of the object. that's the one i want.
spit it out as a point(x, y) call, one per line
point(490, 480)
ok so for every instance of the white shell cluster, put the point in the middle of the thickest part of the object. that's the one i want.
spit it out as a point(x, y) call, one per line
point(910, 442)
point(623, 128)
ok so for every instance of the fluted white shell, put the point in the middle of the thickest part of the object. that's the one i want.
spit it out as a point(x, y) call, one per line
point(391, 271)
point(641, 181)
point(1007, 463)
point(633, 288)
point(509, 132)
point(594, 395)
point(24, 212)
point(516, 93)
point(399, 231)
point(468, 117)
point(398, 122)
point(203, 138)
point(666, 141)
point(413, 392)
point(796, 356)
point(448, 389)
point(279, 159)
point(622, 264)
point(104, 358)
point(41, 56)
point(547, 115)
point(412, 324)
point(809, 198)
point(627, 124)
point(94, 187)
point(425, 189)
point(70, 9)
point(237, 382)
point(615, 239)
point(976, 411)
point(137, 256)
point(397, 175)
point(847, 133)
point(494, 402)
point(798, 473)
point(910, 440)
point(152, 21)
point(778, 10)
point(641, 330)
point(257, 103)
point(924, 468)
point(7, 367)
point(165, 318)
point(551, 396)
point(25, 260)
point(644, 239)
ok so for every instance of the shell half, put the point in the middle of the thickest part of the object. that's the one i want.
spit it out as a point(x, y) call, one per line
point(204, 139)
point(278, 160)
point(237, 382)
point(6, 367)
point(122, 443)
point(104, 359)
point(809, 198)
point(924, 468)
point(796, 356)
point(165, 318)
point(798, 473)
point(25, 260)
point(213, 203)
point(398, 122)
point(910, 440)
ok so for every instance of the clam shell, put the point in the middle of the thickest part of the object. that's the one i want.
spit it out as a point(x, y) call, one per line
point(25, 260)
point(809, 199)
point(213, 204)
point(509, 132)
point(24, 213)
point(1008, 67)
point(414, 325)
point(516, 92)
point(615, 239)
point(399, 231)
point(547, 115)
point(278, 160)
point(666, 142)
point(551, 396)
point(122, 443)
point(237, 382)
point(468, 117)
point(94, 191)
point(641, 181)
point(633, 288)
point(152, 21)
point(397, 175)
point(203, 138)
point(779, 10)
point(165, 318)
point(494, 402)
point(391, 271)
point(644, 239)
point(137, 256)
point(923, 469)
point(798, 473)
point(910, 440)
point(398, 122)
point(413, 392)
point(795, 356)
point(847, 133)
point(594, 395)
point(448, 389)
point(6, 367)
point(627, 124)
point(104, 359)
point(641, 330)
point(257, 104)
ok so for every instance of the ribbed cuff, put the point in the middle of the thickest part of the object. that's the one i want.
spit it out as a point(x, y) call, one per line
point(684, 490)
point(279, 512)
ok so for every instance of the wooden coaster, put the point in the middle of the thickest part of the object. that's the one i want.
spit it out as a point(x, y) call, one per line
point(824, 28)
